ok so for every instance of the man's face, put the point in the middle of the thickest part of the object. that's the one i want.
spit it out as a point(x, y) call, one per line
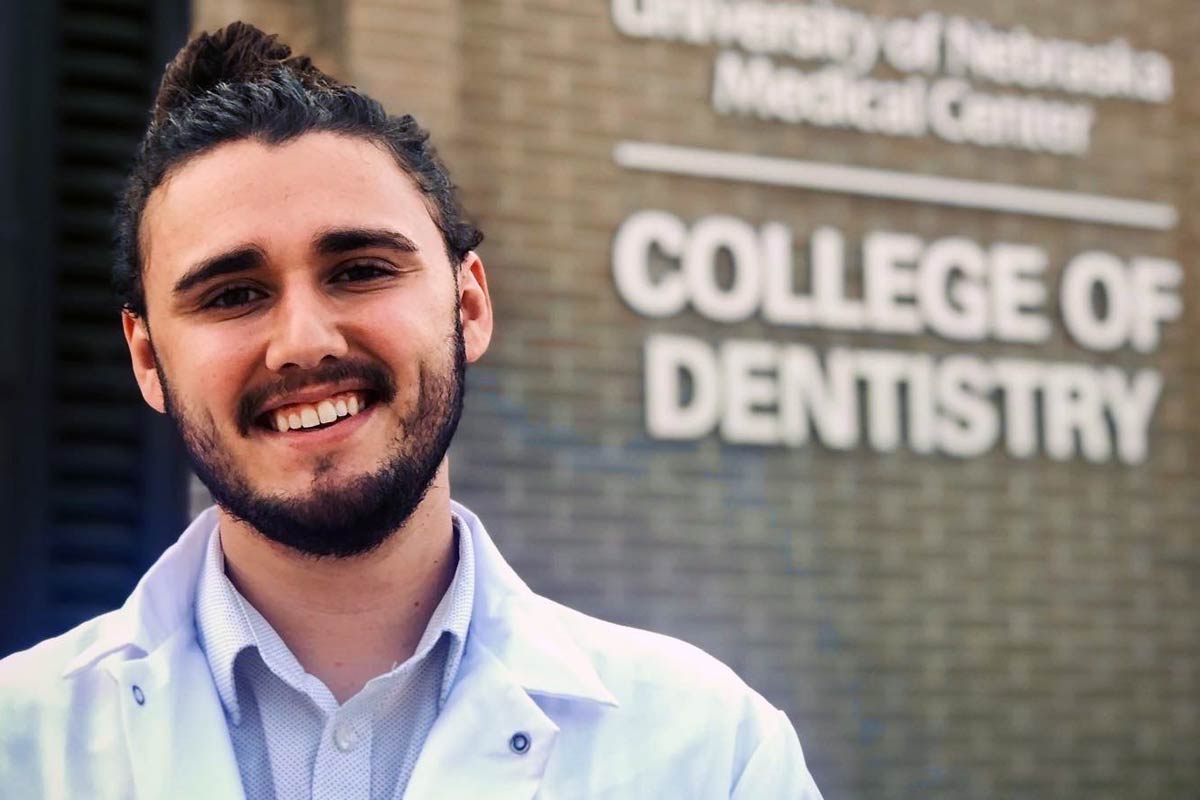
point(307, 334)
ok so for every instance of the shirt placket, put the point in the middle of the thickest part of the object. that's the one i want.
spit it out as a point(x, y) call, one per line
point(342, 768)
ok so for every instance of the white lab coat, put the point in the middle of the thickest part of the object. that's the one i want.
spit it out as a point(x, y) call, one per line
point(124, 706)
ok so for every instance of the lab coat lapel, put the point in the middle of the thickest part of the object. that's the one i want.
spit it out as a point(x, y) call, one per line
point(470, 751)
point(514, 652)
point(178, 740)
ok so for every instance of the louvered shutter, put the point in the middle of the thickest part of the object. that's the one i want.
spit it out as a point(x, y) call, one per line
point(113, 479)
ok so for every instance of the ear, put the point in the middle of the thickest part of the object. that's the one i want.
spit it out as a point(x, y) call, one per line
point(474, 306)
point(141, 353)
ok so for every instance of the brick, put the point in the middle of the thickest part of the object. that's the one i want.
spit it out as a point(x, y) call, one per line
point(935, 628)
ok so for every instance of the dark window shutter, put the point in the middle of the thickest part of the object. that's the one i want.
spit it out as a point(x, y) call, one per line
point(110, 491)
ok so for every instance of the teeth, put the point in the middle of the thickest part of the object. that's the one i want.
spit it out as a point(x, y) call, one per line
point(322, 413)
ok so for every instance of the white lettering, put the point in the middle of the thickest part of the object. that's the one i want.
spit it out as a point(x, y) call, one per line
point(1131, 407)
point(1074, 413)
point(1090, 277)
point(1154, 285)
point(711, 237)
point(829, 397)
point(1019, 381)
point(968, 426)
point(1017, 293)
point(890, 282)
point(751, 392)
point(883, 372)
point(781, 305)
point(635, 241)
point(764, 393)
point(683, 397)
point(951, 291)
point(834, 309)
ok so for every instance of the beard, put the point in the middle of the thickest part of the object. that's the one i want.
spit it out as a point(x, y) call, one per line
point(351, 517)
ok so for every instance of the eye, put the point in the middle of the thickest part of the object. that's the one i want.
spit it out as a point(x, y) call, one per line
point(234, 297)
point(363, 271)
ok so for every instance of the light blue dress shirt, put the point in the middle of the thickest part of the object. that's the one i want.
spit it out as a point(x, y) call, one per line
point(290, 736)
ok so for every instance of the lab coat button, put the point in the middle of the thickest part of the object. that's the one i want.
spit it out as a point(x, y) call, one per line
point(519, 743)
point(345, 738)
point(138, 695)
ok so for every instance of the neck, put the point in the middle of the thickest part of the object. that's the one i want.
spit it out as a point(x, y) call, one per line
point(348, 620)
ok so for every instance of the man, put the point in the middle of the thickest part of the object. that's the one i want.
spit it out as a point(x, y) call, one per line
point(301, 295)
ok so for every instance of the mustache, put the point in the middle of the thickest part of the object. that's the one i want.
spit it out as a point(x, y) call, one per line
point(373, 377)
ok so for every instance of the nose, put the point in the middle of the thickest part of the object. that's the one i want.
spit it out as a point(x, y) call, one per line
point(306, 331)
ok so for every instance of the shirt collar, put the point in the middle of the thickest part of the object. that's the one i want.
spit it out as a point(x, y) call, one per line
point(227, 624)
point(453, 613)
point(222, 625)
point(524, 631)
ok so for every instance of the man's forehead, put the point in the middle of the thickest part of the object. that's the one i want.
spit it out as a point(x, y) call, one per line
point(280, 196)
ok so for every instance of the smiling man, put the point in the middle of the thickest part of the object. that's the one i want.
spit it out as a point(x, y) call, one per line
point(301, 295)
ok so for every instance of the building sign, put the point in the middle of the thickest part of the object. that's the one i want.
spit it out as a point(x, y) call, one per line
point(813, 63)
point(730, 270)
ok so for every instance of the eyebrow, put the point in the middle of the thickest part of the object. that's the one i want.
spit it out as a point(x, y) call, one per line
point(241, 259)
point(331, 242)
point(343, 240)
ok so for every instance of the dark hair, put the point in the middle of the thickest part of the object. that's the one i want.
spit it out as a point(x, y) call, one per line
point(241, 83)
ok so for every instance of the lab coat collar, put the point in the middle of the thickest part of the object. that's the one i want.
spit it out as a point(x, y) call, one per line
point(516, 626)
point(521, 631)
point(161, 603)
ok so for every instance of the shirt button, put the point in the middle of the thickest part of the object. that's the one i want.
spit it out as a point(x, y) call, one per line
point(345, 738)
point(519, 743)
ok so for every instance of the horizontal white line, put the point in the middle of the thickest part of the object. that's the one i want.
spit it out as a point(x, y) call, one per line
point(919, 188)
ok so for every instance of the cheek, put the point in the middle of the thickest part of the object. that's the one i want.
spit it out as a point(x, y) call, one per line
point(405, 342)
point(209, 371)
point(400, 332)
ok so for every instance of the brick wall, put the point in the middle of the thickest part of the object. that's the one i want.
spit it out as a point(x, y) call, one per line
point(934, 627)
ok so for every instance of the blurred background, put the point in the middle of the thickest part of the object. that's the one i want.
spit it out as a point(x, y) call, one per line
point(850, 342)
